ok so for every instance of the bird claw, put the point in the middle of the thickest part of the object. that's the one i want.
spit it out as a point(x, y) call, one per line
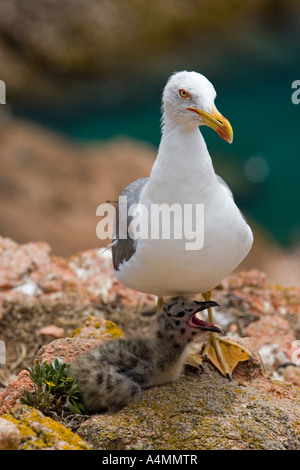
point(195, 361)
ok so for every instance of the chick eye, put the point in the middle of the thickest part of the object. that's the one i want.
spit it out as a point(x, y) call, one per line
point(183, 93)
point(180, 314)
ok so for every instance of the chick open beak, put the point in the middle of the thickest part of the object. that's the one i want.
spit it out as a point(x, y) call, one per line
point(216, 121)
point(196, 322)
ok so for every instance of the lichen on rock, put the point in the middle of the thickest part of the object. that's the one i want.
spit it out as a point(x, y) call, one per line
point(40, 432)
point(10, 436)
point(203, 412)
point(98, 328)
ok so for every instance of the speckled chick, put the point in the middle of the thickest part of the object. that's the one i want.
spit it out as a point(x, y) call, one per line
point(114, 374)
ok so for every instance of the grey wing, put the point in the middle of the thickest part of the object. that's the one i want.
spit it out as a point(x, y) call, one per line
point(227, 188)
point(124, 248)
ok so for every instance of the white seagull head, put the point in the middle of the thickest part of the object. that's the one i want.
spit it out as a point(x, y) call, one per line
point(188, 99)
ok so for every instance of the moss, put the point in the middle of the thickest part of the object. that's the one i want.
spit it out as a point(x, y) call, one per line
point(40, 432)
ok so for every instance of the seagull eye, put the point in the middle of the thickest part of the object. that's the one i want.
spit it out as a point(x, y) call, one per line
point(184, 93)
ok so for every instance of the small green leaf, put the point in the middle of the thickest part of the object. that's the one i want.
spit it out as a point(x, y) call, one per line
point(53, 387)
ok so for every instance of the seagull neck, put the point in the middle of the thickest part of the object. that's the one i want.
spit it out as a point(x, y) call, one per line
point(182, 154)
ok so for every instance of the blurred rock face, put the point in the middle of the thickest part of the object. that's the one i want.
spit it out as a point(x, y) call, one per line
point(42, 42)
point(50, 189)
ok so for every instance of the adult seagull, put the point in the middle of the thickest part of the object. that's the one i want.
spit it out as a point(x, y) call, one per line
point(183, 174)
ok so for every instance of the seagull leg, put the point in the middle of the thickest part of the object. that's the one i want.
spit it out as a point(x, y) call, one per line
point(225, 355)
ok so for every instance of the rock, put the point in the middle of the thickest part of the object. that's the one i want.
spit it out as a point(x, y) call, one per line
point(279, 333)
point(95, 328)
point(37, 164)
point(18, 260)
point(40, 432)
point(10, 436)
point(66, 349)
point(291, 373)
point(272, 356)
point(81, 295)
point(204, 412)
point(31, 273)
point(52, 330)
point(14, 391)
point(83, 339)
point(95, 42)
point(266, 313)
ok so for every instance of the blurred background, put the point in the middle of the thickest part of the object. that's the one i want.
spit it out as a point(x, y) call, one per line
point(82, 113)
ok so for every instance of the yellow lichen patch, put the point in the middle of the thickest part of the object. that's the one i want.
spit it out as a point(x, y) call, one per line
point(113, 330)
point(95, 328)
point(40, 432)
point(296, 427)
point(75, 332)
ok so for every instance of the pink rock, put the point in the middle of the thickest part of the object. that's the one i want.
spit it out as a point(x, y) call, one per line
point(129, 297)
point(30, 271)
point(18, 260)
point(10, 436)
point(90, 335)
point(11, 395)
point(52, 330)
point(66, 349)
point(272, 329)
point(291, 373)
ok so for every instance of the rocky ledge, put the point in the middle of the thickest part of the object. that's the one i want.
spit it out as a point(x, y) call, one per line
point(53, 307)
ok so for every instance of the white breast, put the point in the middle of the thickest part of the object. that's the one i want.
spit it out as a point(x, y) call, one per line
point(183, 173)
point(166, 267)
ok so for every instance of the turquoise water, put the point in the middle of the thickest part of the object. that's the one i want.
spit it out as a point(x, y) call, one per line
point(257, 102)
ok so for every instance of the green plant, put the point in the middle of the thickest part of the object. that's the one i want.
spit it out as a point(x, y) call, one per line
point(54, 388)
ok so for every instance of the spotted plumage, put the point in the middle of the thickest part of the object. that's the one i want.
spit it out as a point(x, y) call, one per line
point(114, 374)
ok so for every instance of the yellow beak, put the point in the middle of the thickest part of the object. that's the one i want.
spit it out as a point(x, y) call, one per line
point(216, 121)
